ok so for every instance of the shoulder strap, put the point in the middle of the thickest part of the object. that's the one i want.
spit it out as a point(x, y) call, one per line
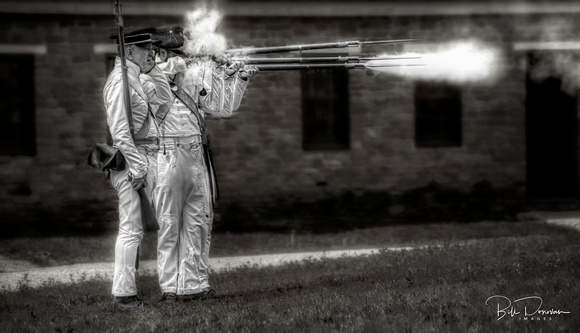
point(145, 127)
point(207, 155)
point(137, 87)
point(163, 111)
point(189, 102)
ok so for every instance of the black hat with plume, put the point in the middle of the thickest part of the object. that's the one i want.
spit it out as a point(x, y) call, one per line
point(171, 39)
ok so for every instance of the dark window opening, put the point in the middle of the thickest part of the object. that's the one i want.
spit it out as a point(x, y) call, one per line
point(17, 106)
point(325, 110)
point(437, 115)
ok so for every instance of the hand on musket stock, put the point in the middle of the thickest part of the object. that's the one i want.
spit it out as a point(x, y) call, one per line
point(239, 66)
point(248, 72)
point(139, 183)
point(232, 65)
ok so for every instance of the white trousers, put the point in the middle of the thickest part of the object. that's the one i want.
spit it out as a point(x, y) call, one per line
point(183, 204)
point(129, 237)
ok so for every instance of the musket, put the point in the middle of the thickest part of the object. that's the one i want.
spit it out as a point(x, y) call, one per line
point(120, 34)
point(305, 47)
point(289, 67)
point(304, 60)
point(339, 62)
point(147, 213)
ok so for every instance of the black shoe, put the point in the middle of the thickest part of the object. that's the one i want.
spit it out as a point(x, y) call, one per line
point(191, 297)
point(168, 298)
point(205, 293)
point(128, 303)
point(209, 293)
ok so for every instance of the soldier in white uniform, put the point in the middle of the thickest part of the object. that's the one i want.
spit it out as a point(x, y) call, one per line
point(141, 67)
point(183, 189)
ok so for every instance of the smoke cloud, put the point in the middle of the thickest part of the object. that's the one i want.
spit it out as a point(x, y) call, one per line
point(200, 28)
point(564, 65)
point(459, 61)
point(202, 43)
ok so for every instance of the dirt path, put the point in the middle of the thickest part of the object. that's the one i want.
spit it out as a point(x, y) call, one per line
point(33, 277)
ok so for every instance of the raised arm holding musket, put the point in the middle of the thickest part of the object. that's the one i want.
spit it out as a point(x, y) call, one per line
point(217, 81)
point(127, 129)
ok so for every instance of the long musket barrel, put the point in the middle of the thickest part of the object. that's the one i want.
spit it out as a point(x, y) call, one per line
point(305, 47)
point(337, 59)
point(290, 67)
point(126, 95)
point(338, 62)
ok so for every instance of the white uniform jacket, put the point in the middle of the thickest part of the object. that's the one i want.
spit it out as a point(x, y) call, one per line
point(117, 116)
point(224, 93)
point(222, 97)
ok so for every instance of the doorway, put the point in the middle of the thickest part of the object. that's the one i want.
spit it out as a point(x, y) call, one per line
point(551, 131)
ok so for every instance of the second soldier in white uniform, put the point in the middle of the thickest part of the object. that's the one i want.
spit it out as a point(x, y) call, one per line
point(183, 188)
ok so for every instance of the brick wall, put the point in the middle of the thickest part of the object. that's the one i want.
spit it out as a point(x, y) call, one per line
point(258, 151)
point(266, 132)
point(69, 120)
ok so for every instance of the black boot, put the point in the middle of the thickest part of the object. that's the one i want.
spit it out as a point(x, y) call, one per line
point(128, 302)
point(168, 298)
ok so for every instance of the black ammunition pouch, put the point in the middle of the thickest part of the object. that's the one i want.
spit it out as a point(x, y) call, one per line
point(105, 157)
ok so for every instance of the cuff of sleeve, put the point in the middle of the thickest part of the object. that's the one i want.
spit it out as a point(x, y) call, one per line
point(137, 174)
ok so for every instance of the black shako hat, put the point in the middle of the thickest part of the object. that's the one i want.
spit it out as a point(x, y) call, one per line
point(171, 39)
point(139, 37)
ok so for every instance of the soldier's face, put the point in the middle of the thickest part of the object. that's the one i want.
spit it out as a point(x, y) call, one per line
point(142, 56)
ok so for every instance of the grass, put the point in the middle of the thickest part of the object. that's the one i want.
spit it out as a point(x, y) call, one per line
point(438, 289)
point(69, 250)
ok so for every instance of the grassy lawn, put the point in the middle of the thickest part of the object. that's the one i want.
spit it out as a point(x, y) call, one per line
point(438, 289)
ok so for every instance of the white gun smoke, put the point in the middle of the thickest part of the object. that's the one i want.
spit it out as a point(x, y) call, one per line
point(202, 43)
point(459, 62)
point(200, 34)
point(464, 61)
point(562, 65)
point(556, 58)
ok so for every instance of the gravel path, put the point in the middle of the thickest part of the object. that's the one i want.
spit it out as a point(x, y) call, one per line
point(35, 277)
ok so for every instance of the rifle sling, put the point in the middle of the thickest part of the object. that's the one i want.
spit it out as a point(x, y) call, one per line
point(142, 133)
point(186, 99)
point(190, 103)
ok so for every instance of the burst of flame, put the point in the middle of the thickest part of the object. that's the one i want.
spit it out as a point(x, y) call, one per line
point(464, 61)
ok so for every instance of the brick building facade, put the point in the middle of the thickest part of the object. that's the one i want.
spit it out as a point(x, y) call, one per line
point(60, 50)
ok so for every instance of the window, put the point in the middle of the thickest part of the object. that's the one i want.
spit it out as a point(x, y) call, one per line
point(437, 115)
point(17, 128)
point(325, 114)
